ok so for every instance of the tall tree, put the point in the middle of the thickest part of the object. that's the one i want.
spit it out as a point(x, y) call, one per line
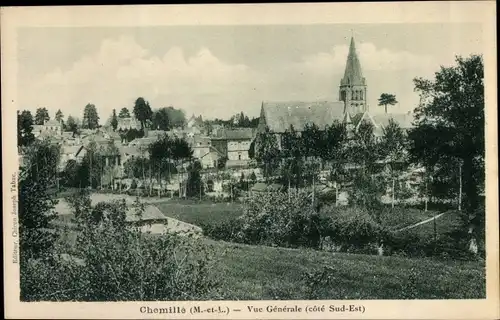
point(41, 116)
point(90, 117)
point(36, 205)
point(124, 113)
point(24, 128)
point(387, 99)
point(450, 123)
point(364, 149)
point(161, 120)
point(267, 152)
point(393, 147)
point(114, 120)
point(59, 115)
point(142, 111)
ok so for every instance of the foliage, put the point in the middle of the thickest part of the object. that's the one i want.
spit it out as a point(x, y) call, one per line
point(59, 115)
point(112, 262)
point(90, 117)
point(142, 111)
point(279, 220)
point(161, 120)
point(267, 152)
point(364, 150)
point(41, 116)
point(35, 204)
point(450, 124)
point(124, 113)
point(387, 99)
point(351, 227)
point(177, 117)
point(367, 192)
point(194, 187)
point(24, 128)
point(114, 120)
point(71, 124)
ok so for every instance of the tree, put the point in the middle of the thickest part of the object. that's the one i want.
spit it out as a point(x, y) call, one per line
point(393, 147)
point(142, 111)
point(267, 152)
point(41, 116)
point(335, 153)
point(71, 124)
point(90, 117)
point(364, 149)
point(114, 120)
point(450, 127)
point(161, 120)
point(59, 115)
point(124, 113)
point(387, 99)
point(35, 203)
point(194, 185)
point(24, 128)
point(177, 117)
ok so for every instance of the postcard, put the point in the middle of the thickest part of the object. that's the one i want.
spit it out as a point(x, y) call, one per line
point(251, 161)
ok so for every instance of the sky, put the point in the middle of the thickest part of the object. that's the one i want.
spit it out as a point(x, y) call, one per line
point(217, 71)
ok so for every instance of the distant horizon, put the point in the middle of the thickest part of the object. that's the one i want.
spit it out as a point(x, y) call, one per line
point(218, 71)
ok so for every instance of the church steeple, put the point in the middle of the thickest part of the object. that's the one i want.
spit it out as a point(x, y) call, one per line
point(353, 74)
point(353, 85)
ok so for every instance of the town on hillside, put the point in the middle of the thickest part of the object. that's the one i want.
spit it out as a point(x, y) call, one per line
point(308, 200)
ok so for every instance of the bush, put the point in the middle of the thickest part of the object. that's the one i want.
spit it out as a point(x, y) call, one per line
point(352, 228)
point(226, 230)
point(117, 262)
point(276, 219)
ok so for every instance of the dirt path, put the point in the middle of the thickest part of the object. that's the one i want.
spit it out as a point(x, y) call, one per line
point(421, 222)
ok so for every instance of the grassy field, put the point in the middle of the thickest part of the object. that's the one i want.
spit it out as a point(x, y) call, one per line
point(257, 272)
point(249, 272)
point(200, 213)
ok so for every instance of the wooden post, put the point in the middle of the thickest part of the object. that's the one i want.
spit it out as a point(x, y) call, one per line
point(460, 187)
point(393, 191)
point(435, 228)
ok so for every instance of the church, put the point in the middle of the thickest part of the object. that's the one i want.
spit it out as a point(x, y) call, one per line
point(350, 108)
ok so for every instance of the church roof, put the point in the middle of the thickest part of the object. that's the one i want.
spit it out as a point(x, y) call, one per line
point(279, 116)
point(405, 120)
point(353, 74)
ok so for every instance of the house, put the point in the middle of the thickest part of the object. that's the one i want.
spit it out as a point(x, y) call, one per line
point(71, 152)
point(195, 122)
point(203, 150)
point(235, 145)
point(48, 128)
point(128, 123)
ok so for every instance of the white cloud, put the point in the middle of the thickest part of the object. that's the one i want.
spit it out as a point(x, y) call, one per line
point(122, 70)
point(371, 58)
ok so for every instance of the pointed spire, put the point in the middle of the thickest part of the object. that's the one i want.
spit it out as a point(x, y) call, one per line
point(353, 74)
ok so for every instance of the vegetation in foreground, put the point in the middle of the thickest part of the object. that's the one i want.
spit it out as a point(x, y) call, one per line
point(260, 273)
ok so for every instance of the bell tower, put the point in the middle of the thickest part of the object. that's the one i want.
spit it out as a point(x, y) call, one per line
point(352, 88)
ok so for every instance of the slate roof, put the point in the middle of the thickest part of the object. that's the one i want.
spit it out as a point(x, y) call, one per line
point(235, 134)
point(280, 115)
point(150, 213)
point(405, 120)
point(52, 123)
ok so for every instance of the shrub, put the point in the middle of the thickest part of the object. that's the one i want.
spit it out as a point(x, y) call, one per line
point(117, 262)
point(226, 230)
point(351, 227)
point(279, 220)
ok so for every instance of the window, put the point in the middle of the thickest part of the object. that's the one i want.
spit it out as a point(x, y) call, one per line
point(239, 156)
